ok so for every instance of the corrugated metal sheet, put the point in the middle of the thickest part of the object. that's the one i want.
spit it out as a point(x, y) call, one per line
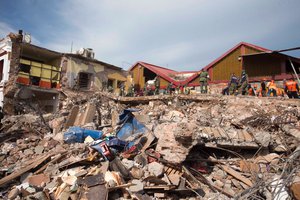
point(228, 65)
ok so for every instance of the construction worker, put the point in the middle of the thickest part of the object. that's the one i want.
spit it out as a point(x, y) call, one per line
point(169, 88)
point(243, 84)
point(292, 88)
point(263, 89)
point(204, 81)
point(272, 88)
point(233, 84)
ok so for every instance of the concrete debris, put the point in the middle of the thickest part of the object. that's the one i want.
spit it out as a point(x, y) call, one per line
point(187, 147)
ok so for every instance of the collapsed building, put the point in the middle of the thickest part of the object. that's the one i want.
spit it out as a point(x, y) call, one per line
point(30, 74)
point(90, 144)
point(33, 76)
point(143, 72)
point(81, 71)
point(101, 146)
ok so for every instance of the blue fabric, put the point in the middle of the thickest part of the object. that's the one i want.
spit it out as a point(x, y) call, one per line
point(77, 134)
point(130, 126)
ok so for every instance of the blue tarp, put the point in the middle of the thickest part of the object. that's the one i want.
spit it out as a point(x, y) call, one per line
point(130, 126)
point(77, 135)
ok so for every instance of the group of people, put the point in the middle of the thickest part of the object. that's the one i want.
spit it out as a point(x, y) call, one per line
point(241, 85)
point(236, 85)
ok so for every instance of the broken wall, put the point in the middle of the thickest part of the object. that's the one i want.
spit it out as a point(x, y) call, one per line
point(9, 87)
point(100, 74)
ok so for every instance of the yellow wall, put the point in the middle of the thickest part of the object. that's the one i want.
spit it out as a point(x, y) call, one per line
point(164, 83)
point(139, 79)
point(74, 66)
point(196, 80)
point(249, 50)
point(228, 65)
point(138, 76)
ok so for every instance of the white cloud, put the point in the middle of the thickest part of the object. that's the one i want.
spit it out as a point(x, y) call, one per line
point(184, 35)
point(5, 29)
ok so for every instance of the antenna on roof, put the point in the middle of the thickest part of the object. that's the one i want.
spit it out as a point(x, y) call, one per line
point(71, 46)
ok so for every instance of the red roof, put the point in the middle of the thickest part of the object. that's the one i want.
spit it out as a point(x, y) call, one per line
point(163, 72)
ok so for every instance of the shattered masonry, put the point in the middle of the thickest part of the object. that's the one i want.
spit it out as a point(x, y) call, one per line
point(98, 146)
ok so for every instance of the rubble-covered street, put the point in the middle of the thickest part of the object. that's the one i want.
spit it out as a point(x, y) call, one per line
point(98, 146)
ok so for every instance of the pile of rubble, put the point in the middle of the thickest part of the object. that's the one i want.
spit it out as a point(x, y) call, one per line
point(165, 147)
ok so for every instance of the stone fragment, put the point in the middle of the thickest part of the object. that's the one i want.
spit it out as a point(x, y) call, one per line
point(28, 152)
point(128, 163)
point(174, 178)
point(70, 180)
point(156, 169)
point(138, 187)
point(219, 183)
point(13, 193)
point(167, 145)
point(137, 172)
point(38, 180)
point(39, 149)
point(40, 196)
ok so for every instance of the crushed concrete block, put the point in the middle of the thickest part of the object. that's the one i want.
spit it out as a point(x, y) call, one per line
point(137, 172)
point(128, 163)
point(40, 196)
point(38, 180)
point(28, 152)
point(156, 169)
point(70, 180)
point(174, 178)
point(13, 193)
point(219, 183)
point(138, 187)
point(39, 149)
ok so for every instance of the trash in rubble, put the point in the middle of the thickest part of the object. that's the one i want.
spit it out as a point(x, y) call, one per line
point(122, 160)
point(77, 135)
point(130, 127)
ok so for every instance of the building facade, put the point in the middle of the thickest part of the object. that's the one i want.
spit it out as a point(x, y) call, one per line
point(34, 75)
point(84, 73)
point(143, 72)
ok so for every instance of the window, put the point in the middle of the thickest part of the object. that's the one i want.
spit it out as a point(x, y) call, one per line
point(84, 80)
point(24, 68)
point(110, 85)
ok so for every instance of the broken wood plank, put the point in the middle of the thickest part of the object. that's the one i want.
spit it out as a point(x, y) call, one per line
point(20, 172)
point(237, 175)
point(89, 114)
point(248, 136)
point(72, 117)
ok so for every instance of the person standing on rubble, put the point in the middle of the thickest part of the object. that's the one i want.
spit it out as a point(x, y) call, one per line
point(169, 88)
point(272, 88)
point(157, 85)
point(233, 84)
point(243, 83)
point(204, 81)
point(291, 89)
point(263, 89)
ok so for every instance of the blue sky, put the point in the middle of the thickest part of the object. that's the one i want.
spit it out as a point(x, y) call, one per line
point(179, 34)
